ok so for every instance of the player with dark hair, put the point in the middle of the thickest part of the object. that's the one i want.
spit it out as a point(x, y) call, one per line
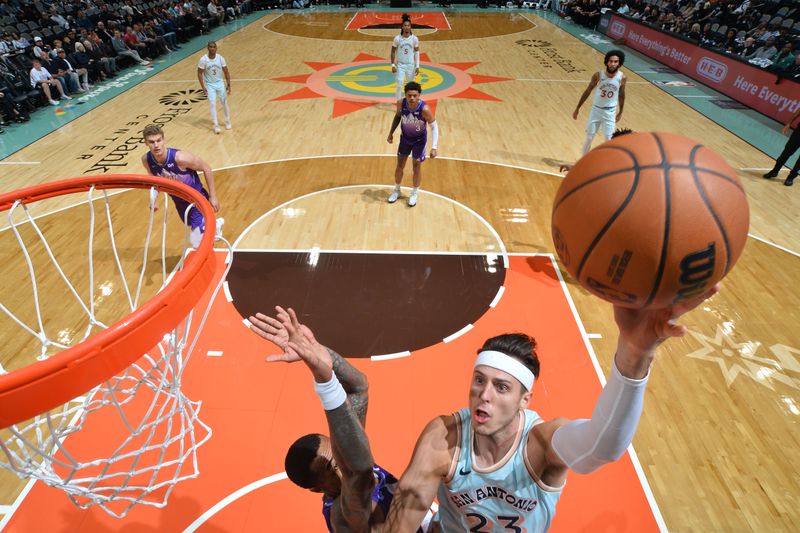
point(356, 492)
point(404, 56)
point(609, 98)
point(414, 115)
point(496, 465)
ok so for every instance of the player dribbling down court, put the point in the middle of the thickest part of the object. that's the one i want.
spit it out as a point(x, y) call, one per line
point(413, 114)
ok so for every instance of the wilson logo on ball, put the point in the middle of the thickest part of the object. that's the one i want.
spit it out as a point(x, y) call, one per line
point(696, 269)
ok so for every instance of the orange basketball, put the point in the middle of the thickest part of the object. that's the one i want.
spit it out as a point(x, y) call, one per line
point(650, 219)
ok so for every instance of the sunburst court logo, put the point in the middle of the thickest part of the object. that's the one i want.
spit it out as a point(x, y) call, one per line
point(368, 80)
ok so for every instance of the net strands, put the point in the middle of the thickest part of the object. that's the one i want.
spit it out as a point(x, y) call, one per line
point(151, 430)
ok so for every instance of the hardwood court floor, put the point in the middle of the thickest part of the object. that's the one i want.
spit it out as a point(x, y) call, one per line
point(718, 441)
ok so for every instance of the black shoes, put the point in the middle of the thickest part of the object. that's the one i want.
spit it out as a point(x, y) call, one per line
point(790, 180)
point(770, 174)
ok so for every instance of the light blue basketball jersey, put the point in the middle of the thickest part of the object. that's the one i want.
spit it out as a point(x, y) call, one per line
point(502, 498)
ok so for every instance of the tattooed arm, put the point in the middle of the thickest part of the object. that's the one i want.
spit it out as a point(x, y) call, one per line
point(351, 449)
point(355, 385)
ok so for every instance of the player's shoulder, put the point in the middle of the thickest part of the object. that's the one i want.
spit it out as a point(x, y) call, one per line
point(396, 39)
point(441, 428)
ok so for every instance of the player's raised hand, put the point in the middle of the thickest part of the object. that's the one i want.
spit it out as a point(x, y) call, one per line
point(302, 342)
point(644, 329)
point(272, 329)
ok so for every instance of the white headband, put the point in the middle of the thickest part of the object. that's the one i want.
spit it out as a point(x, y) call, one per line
point(507, 364)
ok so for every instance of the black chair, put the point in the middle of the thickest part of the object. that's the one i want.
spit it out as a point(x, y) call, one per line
point(21, 93)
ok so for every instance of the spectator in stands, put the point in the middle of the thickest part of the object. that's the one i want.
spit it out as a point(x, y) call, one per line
point(41, 79)
point(46, 64)
point(695, 34)
point(784, 58)
point(730, 43)
point(708, 38)
point(83, 61)
point(53, 52)
point(166, 30)
point(742, 7)
point(83, 21)
point(623, 9)
point(149, 32)
point(793, 72)
point(68, 43)
point(98, 53)
point(155, 47)
point(103, 33)
point(215, 11)
point(748, 48)
point(134, 44)
point(122, 49)
point(764, 53)
point(20, 43)
point(6, 46)
point(771, 33)
point(56, 17)
point(63, 68)
point(39, 47)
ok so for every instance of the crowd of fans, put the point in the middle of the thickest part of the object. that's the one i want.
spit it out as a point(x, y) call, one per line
point(764, 33)
point(54, 49)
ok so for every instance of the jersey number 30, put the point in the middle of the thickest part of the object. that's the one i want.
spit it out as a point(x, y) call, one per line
point(606, 94)
point(480, 524)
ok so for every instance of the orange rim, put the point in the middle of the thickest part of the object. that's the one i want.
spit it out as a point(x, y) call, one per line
point(44, 385)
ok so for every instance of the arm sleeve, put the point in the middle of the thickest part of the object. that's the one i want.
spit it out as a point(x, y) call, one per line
point(434, 135)
point(586, 445)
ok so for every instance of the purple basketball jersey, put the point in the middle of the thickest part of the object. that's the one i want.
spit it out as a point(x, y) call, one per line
point(412, 126)
point(171, 170)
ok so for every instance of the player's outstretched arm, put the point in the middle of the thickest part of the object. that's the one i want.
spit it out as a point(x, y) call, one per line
point(429, 465)
point(186, 159)
point(592, 84)
point(353, 381)
point(349, 441)
point(586, 445)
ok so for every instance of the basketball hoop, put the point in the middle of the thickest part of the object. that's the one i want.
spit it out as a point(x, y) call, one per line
point(125, 376)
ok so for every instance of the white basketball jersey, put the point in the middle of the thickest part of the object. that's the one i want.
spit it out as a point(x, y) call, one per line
point(405, 48)
point(606, 94)
point(212, 69)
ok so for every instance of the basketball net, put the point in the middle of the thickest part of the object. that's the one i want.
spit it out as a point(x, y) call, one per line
point(143, 432)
